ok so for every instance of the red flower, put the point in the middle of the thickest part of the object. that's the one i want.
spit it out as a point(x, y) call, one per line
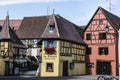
point(50, 48)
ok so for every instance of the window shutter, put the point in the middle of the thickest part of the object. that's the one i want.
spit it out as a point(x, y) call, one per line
point(54, 43)
point(45, 43)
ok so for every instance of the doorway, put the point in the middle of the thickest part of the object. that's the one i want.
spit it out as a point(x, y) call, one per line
point(65, 68)
point(103, 68)
point(6, 68)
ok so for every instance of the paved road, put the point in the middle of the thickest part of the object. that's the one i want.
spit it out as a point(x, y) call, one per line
point(49, 78)
point(86, 77)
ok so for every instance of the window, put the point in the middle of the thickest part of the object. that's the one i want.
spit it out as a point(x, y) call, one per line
point(103, 50)
point(88, 36)
point(49, 67)
point(107, 28)
point(50, 43)
point(51, 28)
point(2, 46)
point(88, 51)
point(102, 36)
point(100, 22)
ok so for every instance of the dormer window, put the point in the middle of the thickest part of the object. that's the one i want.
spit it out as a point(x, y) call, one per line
point(51, 28)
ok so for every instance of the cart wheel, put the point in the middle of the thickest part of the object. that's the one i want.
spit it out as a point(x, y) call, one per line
point(113, 78)
point(101, 78)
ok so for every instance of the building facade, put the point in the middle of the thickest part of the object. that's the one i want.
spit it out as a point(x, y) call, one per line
point(63, 49)
point(101, 36)
point(30, 31)
point(9, 43)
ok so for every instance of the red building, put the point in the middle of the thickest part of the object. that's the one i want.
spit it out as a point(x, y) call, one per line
point(101, 35)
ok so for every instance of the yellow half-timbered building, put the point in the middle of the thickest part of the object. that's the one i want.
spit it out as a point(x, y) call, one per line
point(63, 49)
point(9, 43)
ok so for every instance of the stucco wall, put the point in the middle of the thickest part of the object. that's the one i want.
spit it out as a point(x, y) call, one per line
point(57, 60)
point(2, 67)
point(50, 58)
point(94, 28)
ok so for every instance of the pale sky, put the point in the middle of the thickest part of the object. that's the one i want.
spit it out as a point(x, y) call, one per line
point(76, 11)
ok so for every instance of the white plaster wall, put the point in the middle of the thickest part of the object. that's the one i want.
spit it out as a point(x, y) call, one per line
point(34, 51)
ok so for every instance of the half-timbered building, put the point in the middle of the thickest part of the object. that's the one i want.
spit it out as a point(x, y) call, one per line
point(10, 47)
point(63, 49)
point(30, 31)
point(101, 36)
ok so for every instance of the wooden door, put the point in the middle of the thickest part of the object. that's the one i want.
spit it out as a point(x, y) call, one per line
point(103, 68)
point(65, 68)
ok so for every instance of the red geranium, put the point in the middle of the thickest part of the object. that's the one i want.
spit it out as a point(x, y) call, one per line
point(51, 48)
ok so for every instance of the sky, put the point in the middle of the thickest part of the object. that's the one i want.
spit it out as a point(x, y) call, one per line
point(77, 11)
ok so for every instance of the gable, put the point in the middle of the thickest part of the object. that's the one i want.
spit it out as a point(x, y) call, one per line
point(100, 14)
point(47, 32)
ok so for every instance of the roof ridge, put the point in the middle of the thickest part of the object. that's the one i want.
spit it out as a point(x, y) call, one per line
point(109, 16)
point(68, 30)
point(36, 16)
point(113, 19)
point(109, 12)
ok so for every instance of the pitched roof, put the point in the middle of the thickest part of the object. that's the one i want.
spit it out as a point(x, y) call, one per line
point(81, 30)
point(112, 19)
point(6, 33)
point(83, 27)
point(64, 30)
point(32, 27)
point(38, 27)
point(14, 23)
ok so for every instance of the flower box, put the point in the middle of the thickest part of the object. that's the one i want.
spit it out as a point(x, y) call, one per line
point(49, 49)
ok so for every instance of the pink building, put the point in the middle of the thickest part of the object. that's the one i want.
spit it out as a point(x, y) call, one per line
point(101, 35)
